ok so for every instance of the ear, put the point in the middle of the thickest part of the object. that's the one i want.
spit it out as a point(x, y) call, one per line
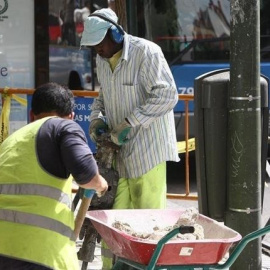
point(31, 116)
point(71, 116)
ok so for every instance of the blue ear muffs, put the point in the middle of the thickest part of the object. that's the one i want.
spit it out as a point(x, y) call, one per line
point(115, 34)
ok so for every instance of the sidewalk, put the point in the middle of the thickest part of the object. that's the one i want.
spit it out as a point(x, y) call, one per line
point(96, 264)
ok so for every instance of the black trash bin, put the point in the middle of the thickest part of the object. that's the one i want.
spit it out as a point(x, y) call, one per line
point(211, 127)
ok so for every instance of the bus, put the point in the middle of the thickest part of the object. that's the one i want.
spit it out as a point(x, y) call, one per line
point(195, 38)
point(40, 42)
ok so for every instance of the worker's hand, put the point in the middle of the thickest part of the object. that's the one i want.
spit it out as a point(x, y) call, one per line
point(89, 193)
point(102, 186)
point(120, 132)
point(102, 193)
point(97, 184)
point(97, 127)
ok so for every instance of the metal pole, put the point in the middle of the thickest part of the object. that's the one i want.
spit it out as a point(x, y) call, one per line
point(244, 131)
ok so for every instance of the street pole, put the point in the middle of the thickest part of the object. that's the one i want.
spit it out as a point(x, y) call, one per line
point(244, 131)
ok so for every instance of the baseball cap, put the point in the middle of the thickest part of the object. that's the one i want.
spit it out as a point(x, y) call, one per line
point(95, 28)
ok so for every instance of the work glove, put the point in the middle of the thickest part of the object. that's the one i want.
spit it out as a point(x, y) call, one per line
point(97, 127)
point(120, 132)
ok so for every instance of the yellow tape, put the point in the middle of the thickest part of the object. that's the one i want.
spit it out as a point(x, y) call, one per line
point(4, 119)
point(20, 100)
point(181, 146)
point(5, 113)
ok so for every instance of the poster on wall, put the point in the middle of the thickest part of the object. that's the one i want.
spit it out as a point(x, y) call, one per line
point(17, 66)
point(82, 111)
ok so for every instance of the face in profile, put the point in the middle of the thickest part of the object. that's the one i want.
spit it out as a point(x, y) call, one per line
point(106, 48)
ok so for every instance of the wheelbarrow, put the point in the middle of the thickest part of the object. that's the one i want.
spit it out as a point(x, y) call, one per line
point(169, 252)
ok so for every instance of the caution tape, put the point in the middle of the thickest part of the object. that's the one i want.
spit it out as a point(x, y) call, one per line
point(5, 113)
point(181, 146)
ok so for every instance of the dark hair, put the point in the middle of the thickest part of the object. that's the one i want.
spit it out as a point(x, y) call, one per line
point(52, 97)
point(87, 3)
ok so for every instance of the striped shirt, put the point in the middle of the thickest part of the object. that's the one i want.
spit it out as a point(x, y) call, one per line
point(142, 89)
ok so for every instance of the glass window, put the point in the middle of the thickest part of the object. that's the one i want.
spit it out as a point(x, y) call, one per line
point(194, 30)
point(189, 30)
point(265, 30)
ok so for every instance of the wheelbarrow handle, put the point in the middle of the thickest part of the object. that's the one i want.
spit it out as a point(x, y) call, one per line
point(186, 229)
point(157, 251)
point(164, 240)
point(240, 246)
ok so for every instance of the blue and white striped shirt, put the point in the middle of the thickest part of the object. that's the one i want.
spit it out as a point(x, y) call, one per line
point(142, 89)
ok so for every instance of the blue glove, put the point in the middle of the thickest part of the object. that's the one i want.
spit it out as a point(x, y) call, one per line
point(120, 132)
point(97, 127)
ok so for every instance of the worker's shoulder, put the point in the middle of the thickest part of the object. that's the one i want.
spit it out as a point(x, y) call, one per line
point(58, 123)
point(144, 45)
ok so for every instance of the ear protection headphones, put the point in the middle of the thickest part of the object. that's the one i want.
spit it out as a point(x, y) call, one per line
point(116, 32)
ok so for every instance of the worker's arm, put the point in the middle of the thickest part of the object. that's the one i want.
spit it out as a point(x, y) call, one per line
point(98, 108)
point(157, 80)
point(75, 157)
point(97, 183)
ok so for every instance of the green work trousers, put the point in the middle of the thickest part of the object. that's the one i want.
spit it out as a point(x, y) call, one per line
point(145, 192)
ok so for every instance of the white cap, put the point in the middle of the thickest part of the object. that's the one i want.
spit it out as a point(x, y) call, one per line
point(95, 28)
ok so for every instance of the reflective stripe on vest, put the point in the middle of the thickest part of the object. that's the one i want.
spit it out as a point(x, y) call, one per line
point(35, 220)
point(39, 190)
point(36, 206)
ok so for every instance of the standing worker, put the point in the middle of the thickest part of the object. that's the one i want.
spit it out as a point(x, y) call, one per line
point(135, 104)
point(36, 164)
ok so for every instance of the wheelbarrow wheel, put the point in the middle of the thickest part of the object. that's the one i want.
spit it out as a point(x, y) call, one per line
point(122, 266)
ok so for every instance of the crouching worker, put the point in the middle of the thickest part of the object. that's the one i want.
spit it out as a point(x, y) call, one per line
point(36, 164)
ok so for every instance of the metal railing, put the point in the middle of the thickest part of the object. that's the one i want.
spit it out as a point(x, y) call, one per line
point(93, 94)
point(186, 195)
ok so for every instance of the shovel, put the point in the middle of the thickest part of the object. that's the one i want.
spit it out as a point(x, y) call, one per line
point(86, 200)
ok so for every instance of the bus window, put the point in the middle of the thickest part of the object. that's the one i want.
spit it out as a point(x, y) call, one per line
point(68, 63)
point(194, 36)
point(196, 30)
point(265, 30)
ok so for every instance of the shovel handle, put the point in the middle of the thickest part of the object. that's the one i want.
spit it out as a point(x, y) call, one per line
point(86, 200)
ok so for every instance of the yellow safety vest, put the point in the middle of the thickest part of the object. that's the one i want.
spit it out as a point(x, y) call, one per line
point(36, 218)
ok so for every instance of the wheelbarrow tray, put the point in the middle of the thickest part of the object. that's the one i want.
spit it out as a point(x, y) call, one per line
point(218, 237)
